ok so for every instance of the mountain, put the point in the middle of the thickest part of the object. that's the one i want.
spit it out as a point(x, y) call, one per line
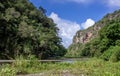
point(87, 37)
point(84, 36)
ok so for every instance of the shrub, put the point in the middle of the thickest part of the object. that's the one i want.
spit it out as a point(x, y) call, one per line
point(112, 54)
point(7, 71)
point(86, 50)
point(22, 64)
point(116, 55)
point(107, 54)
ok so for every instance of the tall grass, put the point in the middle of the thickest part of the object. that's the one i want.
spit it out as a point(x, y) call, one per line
point(91, 67)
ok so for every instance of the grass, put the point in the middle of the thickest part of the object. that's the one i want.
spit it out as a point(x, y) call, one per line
point(91, 67)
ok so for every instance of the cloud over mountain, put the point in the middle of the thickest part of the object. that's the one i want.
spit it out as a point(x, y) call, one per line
point(67, 28)
point(89, 22)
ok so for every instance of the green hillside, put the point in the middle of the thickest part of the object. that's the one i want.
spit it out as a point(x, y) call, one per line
point(101, 40)
point(26, 30)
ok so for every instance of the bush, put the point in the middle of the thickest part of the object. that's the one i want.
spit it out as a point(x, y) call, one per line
point(7, 71)
point(22, 64)
point(86, 50)
point(107, 54)
point(116, 55)
point(112, 54)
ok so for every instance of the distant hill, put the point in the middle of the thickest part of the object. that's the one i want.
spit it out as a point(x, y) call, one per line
point(87, 37)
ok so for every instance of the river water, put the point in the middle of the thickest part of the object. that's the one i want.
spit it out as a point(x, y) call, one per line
point(71, 60)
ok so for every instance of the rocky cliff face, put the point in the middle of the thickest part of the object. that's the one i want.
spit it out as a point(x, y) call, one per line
point(84, 36)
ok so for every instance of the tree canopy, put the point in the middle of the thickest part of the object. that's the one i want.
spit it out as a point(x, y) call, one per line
point(26, 30)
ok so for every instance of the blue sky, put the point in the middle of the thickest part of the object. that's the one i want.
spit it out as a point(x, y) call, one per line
point(73, 15)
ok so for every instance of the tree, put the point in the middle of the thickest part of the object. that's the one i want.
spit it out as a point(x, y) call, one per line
point(26, 30)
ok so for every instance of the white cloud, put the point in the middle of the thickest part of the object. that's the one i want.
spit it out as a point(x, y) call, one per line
point(75, 1)
point(67, 28)
point(89, 22)
point(81, 1)
point(110, 3)
point(113, 3)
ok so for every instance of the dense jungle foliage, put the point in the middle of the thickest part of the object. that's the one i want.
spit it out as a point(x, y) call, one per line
point(26, 30)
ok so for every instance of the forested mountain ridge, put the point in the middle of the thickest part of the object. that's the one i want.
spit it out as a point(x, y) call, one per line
point(83, 36)
point(101, 40)
point(26, 30)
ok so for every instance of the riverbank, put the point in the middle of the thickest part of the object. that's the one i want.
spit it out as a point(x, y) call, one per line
point(90, 67)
